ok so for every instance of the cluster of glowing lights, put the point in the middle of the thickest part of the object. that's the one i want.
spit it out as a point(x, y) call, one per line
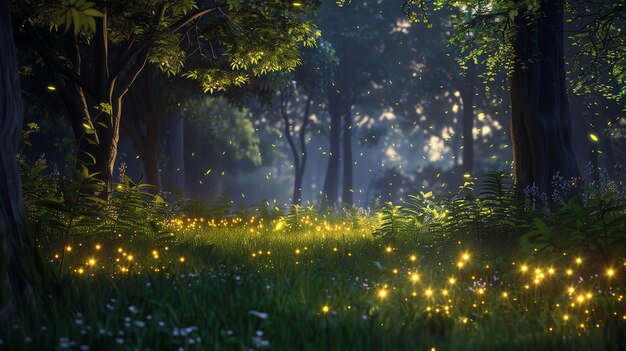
point(452, 297)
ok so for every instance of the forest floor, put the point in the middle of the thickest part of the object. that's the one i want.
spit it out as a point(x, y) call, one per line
point(325, 286)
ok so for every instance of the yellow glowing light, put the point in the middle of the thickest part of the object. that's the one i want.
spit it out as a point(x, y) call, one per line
point(98, 247)
point(92, 262)
point(51, 87)
point(570, 290)
point(129, 257)
point(182, 259)
point(569, 272)
point(565, 317)
point(389, 249)
point(382, 293)
point(481, 291)
point(610, 272)
point(551, 270)
point(466, 257)
point(279, 225)
point(395, 271)
point(579, 260)
point(505, 294)
point(524, 268)
point(460, 264)
point(452, 280)
point(297, 251)
point(428, 292)
point(415, 277)
point(68, 248)
point(80, 271)
point(413, 258)
point(580, 298)
point(325, 309)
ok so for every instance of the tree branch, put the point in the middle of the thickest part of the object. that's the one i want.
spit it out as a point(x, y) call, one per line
point(53, 61)
point(146, 43)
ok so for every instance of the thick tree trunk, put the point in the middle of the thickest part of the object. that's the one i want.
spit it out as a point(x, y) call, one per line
point(330, 192)
point(151, 171)
point(145, 108)
point(13, 240)
point(346, 198)
point(176, 146)
point(97, 145)
point(467, 95)
point(540, 113)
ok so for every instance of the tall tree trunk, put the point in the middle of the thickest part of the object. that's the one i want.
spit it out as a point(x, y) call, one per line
point(176, 147)
point(330, 191)
point(540, 113)
point(96, 131)
point(580, 132)
point(151, 167)
point(303, 150)
point(347, 200)
point(97, 145)
point(295, 198)
point(145, 106)
point(467, 95)
point(13, 240)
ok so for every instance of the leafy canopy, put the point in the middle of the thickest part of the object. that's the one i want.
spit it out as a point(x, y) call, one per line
point(219, 43)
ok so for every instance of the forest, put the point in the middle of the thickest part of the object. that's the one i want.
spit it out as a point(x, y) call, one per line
point(312, 175)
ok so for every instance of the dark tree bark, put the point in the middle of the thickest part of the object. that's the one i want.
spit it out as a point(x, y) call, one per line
point(94, 101)
point(299, 156)
point(13, 239)
point(540, 111)
point(346, 198)
point(176, 151)
point(467, 95)
point(95, 108)
point(146, 105)
point(330, 191)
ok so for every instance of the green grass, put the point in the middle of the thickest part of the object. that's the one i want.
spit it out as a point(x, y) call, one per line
point(246, 287)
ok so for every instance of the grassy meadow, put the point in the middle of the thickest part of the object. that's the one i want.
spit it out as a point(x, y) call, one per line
point(319, 282)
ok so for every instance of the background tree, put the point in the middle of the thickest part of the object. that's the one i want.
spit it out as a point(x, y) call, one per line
point(358, 46)
point(308, 87)
point(15, 284)
point(526, 38)
point(106, 45)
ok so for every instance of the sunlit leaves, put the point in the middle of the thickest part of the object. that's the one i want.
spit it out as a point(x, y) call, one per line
point(77, 14)
point(214, 79)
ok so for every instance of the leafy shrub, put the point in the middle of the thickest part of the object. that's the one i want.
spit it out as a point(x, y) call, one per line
point(592, 221)
point(443, 220)
point(70, 211)
point(596, 227)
